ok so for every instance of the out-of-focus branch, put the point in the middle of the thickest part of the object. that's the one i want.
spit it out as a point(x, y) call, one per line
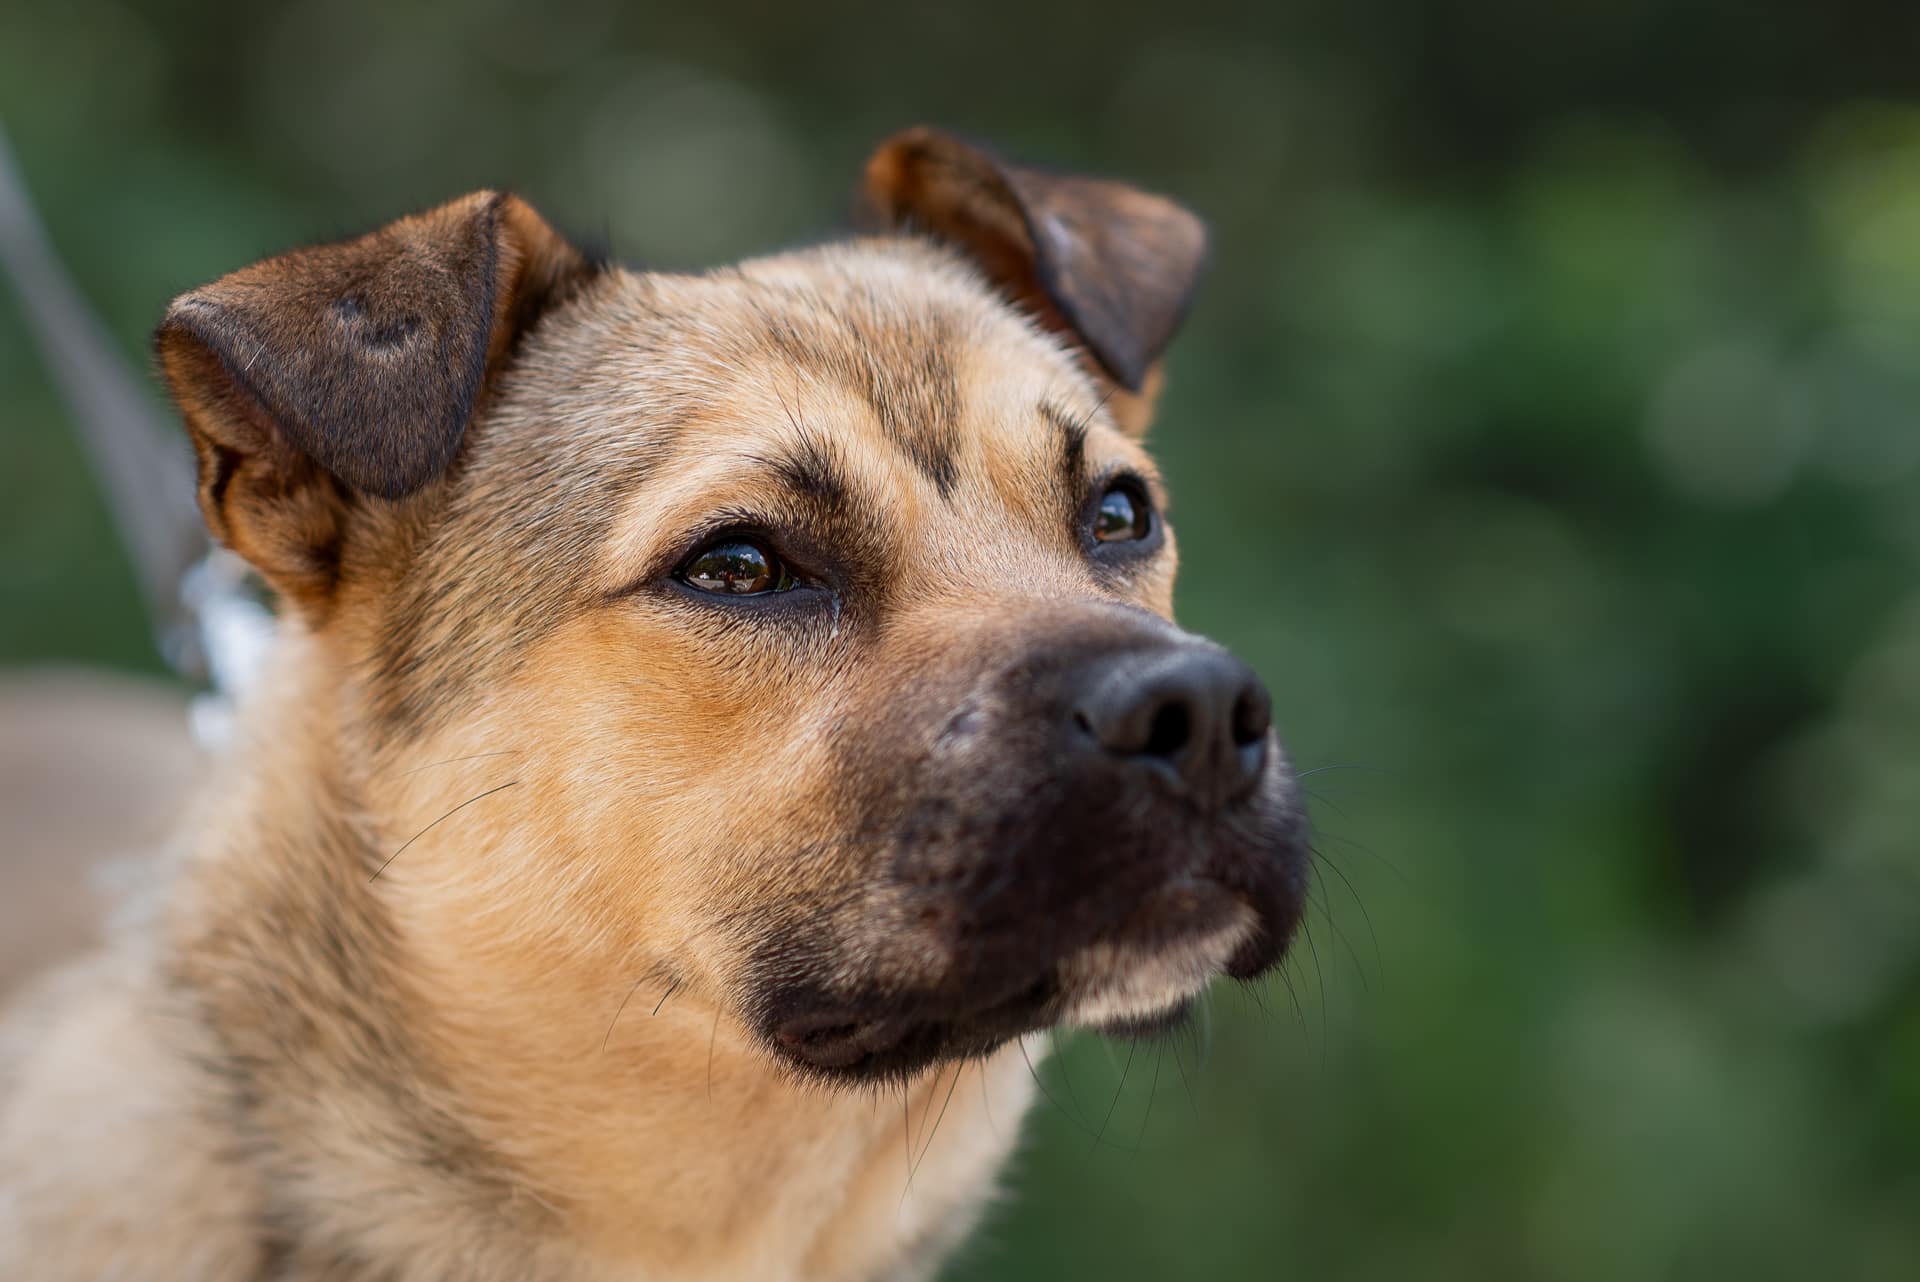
point(143, 468)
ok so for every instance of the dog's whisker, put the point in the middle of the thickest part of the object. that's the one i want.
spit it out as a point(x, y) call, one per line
point(1117, 1092)
point(1338, 765)
point(616, 1014)
point(1046, 1094)
point(1099, 406)
point(906, 1139)
point(1203, 1033)
point(454, 761)
point(913, 1138)
point(1320, 859)
point(672, 988)
point(958, 1069)
point(1326, 911)
point(1321, 835)
point(1066, 1075)
point(1320, 976)
point(1185, 1085)
point(1153, 1089)
point(424, 831)
point(1293, 996)
point(1324, 799)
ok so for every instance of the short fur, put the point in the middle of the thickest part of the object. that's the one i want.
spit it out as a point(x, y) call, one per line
point(515, 936)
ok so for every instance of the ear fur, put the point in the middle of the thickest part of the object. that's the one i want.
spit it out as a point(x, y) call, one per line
point(342, 372)
point(1109, 266)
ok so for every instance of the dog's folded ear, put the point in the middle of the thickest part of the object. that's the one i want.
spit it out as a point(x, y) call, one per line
point(1108, 266)
point(328, 376)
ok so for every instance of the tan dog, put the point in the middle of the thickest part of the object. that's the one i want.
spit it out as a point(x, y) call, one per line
point(716, 717)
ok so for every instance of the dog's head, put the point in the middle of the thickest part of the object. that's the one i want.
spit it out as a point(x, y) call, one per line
point(800, 631)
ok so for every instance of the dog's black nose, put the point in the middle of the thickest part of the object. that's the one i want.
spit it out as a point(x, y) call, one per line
point(1193, 713)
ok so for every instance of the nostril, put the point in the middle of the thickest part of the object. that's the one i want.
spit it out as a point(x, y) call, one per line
point(1193, 717)
point(1171, 727)
point(1252, 715)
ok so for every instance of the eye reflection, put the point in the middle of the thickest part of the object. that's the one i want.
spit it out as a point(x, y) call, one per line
point(1123, 515)
point(735, 567)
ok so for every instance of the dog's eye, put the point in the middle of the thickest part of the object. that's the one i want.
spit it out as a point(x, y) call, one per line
point(1123, 515)
point(735, 567)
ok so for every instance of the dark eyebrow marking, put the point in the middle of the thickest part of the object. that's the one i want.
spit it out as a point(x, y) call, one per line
point(809, 469)
point(1073, 449)
point(926, 422)
point(902, 366)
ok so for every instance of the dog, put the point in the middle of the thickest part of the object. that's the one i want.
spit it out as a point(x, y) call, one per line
point(717, 720)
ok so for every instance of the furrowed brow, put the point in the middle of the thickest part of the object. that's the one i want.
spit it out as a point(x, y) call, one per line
point(1073, 449)
point(807, 467)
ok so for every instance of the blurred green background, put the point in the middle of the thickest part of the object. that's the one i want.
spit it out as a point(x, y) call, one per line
point(1545, 434)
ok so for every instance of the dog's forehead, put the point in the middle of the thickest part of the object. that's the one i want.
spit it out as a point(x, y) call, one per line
point(894, 343)
point(888, 368)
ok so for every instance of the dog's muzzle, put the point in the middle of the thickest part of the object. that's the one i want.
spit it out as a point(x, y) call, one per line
point(1088, 831)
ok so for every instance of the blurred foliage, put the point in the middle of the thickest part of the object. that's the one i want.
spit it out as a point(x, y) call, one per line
point(1545, 435)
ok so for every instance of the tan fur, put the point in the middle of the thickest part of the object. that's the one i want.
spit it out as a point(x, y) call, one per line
point(454, 972)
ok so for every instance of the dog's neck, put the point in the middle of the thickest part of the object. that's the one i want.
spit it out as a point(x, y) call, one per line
point(397, 1062)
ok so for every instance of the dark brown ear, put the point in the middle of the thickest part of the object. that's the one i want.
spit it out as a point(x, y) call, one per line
point(351, 370)
point(1109, 266)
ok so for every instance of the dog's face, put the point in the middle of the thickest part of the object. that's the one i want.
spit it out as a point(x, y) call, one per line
point(815, 612)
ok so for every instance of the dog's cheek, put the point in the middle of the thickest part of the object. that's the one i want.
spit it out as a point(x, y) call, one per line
point(1152, 588)
point(672, 792)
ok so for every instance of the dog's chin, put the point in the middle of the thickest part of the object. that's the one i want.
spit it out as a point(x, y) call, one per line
point(1124, 989)
point(1139, 982)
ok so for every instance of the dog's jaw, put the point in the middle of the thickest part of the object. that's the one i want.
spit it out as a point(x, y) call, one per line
point(1137, 978)
point(1115, 986)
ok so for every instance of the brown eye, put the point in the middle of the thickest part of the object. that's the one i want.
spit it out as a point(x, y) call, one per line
point(1123, 515)
point(736, 567)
